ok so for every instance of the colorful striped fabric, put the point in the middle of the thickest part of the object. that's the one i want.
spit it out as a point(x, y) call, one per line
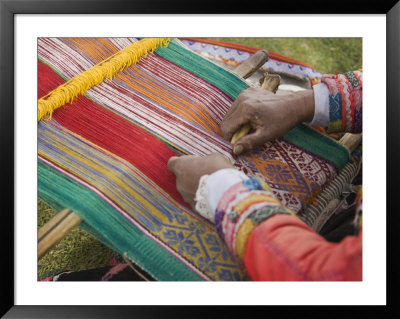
point(345, 101)
point(105, 155)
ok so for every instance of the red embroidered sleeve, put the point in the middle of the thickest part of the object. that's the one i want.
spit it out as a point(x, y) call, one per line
point(271, 243)
point(242, 207)
point(284, 248)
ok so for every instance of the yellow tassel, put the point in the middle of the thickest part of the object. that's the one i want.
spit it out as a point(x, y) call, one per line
point(69, 91)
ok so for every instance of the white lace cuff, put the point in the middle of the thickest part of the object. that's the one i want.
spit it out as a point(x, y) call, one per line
point(201, 199)
point(212, 187)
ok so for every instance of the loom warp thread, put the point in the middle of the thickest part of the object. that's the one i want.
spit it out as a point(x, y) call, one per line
point(106, 69)
point(105, 153)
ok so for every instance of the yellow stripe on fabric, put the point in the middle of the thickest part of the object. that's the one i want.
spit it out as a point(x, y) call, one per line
point(265, 186)
point(253, 199)
point(119, 181)
point(106, 69)
point(241, 237)
point(78, 160)
point(335, 126)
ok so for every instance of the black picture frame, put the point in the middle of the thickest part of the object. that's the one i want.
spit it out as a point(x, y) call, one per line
point(7, 121)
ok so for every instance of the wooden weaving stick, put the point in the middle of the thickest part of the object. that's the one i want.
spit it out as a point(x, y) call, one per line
point(248, 67)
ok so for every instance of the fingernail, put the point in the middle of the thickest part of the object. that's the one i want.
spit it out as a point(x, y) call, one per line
point(170, 162)
point(237, 149)
point(172, 158)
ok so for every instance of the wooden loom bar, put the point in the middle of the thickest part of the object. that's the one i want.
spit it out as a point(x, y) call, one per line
point(56, 229)
point(351, 141)
point(46, 228)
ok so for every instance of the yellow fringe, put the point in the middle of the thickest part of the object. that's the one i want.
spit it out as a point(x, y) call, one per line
point(106, 69)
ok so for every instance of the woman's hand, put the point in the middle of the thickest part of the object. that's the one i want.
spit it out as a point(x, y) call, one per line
point(270, 116)
point(188, 170)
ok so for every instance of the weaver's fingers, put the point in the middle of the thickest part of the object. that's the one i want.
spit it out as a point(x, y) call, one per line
point(233, 123)
point(177, 164)
point(248, 142)
point(233, 118)
point(172, 163)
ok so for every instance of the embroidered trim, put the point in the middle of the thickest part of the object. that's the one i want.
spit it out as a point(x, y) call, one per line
point(244, 206)
point(345, 102)
point(201, 199)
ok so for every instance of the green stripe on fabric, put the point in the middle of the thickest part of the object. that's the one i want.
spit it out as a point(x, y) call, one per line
point(226, 81)
point(114, 228)
point(318, 144)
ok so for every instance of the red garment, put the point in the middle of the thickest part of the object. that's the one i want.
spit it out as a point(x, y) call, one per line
point(283, 248)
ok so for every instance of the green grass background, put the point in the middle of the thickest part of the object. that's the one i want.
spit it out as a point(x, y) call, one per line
point(327, 55)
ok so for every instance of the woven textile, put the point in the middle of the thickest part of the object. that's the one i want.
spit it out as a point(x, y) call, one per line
point(345, 101)
point(105, 155)
point(233, 54)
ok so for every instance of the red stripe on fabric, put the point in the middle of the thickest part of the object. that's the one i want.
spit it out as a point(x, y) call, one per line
point(351, 106)
point(116, 135)
point(48, 80)
point(357, 75)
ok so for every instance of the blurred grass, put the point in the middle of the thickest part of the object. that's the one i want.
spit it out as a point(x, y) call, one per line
point(327, 55)
point(77, 251)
